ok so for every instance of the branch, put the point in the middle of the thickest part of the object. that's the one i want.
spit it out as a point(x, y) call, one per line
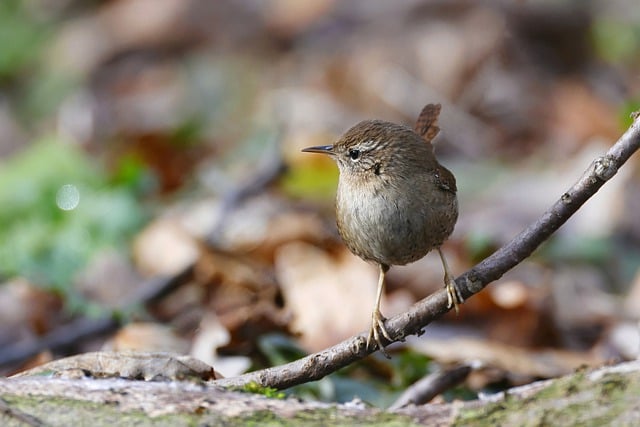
point(318, 365)
point(425, 389)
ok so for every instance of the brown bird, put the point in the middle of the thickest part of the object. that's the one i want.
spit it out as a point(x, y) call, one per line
point(394, 202)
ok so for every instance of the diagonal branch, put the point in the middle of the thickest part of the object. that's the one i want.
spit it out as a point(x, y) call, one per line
point(318, 365)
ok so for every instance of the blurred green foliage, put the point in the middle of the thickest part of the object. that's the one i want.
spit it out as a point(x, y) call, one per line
point(375, 380)
point(616, 42)
point(31, 85)
point(479, 245)
point(279, 349)
point(41, 96)
point(58, 210)
point(630, 107)
point(314, 182)
point(22, 38)
point(595, 250)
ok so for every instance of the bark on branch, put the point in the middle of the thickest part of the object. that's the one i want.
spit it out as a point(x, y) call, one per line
point(318, 365)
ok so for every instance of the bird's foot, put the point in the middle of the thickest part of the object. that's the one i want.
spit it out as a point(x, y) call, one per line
point(377, 331)
point(454, 298)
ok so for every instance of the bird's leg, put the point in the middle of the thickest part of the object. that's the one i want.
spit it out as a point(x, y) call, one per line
point(453, 293)
point(377, 319)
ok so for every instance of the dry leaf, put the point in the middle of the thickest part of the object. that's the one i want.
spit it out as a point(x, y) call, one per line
point(150, 337)
point(514, 361)
point(163, 248)
point(108, 279)
point(210, 337)
point(26, 310)
point(243, 295)
point(331, 297)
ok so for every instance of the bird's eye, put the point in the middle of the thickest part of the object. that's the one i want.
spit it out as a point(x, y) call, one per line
point(354, 154)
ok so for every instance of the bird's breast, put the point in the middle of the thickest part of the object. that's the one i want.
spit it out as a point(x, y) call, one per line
point(394, 226)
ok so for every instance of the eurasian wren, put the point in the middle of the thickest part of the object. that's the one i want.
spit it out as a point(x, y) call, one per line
point(395, 202)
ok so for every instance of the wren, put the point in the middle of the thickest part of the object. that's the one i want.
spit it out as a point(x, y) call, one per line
point(395, 202)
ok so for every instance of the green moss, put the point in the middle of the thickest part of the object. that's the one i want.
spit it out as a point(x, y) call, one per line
point(65, 412)
point(256, 388)
point(324, 417)
point(567, 401)
point(613, 385)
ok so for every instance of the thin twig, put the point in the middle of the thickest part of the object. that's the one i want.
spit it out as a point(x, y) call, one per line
point(58, 339)
point(318, 365)
point(89, 328)
point(427, 388)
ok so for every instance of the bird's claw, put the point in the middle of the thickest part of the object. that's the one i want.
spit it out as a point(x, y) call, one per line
point(454, 298)
point(378, 329)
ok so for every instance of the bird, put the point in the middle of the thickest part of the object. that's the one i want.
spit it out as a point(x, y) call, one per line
point(394, 202)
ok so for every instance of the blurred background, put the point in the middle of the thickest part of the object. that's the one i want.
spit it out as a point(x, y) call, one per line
point(153, 194)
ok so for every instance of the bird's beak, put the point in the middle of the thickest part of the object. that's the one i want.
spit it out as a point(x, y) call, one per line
point(322, 149)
